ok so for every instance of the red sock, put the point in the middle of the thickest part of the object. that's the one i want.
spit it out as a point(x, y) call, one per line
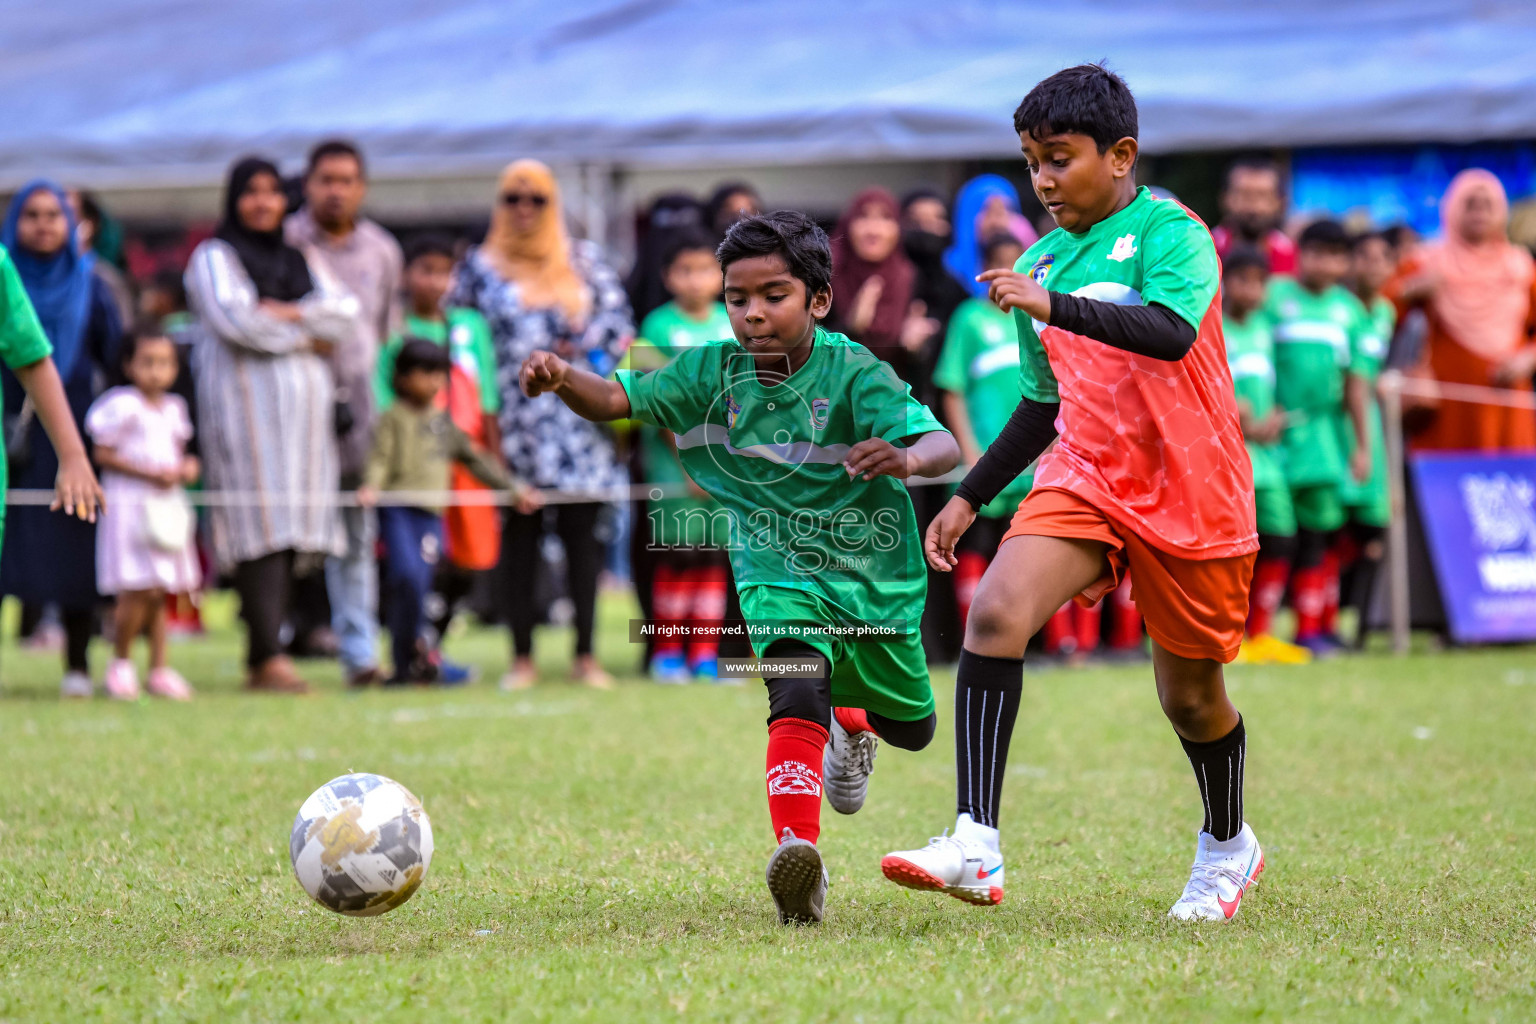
point(1125, 626)
point(1058, 632)
point(795, 748)
point(971, 567)
point(706, 608)
point(1268, 590)
point(669, 606)
point(1330, 567)
point(1086, 626)
point(853, 719)
point(1307, 586)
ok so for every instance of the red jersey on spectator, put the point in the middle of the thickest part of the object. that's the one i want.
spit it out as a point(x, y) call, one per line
point(1277, 245)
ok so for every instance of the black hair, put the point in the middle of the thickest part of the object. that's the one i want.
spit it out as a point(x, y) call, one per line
point(689, 239)
point(1244, 257)
point(1397, 234)
point(1368, 236)
point(996, 241)
point(421, 354)
point(724, 191)
point(1252, 162)
point(788, 234)
point(146, 328)
point(1324, 234)
point(1088, 99)
point(335, 147)
point(90, 208)
point(431, 244)
point(920, 193)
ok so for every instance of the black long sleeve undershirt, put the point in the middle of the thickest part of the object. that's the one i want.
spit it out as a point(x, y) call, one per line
point(1026, 434)
point(1151, 330)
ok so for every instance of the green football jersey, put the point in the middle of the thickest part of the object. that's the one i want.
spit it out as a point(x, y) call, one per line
point(666, 332)
point(468, 338)
point(22, 341)
point(1369, 499)
point(1251, 357)
point(773, 457)
point(980, 363)
point(1318, 338)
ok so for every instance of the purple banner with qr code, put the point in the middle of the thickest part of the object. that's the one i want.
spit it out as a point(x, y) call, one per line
point(1479, 514)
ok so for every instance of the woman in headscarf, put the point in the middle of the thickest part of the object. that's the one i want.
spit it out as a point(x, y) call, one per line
point(872, 288)
point(51, 558)
point(985, 207)
point(539, 289)
point(265, 404)
point(1478, 292)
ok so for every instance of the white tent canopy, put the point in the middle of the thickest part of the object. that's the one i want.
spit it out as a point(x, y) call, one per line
point(166, 92)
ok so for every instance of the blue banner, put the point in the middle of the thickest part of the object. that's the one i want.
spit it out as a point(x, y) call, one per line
point(1479, 514)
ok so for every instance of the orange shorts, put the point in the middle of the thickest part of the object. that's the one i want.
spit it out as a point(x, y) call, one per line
point(1193, 607)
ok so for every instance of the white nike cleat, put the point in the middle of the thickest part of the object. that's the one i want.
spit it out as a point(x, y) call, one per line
point(846, 767)
point(797, 880)
point(1222, 873)
point(967, 865)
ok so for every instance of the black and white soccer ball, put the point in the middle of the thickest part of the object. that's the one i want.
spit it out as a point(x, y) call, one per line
point(361, 845)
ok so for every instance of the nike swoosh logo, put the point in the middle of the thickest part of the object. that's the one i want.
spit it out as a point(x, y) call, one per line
point(982, 876)
point(1231, 908)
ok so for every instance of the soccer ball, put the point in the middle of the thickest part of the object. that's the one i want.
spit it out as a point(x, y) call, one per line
point(361, 845)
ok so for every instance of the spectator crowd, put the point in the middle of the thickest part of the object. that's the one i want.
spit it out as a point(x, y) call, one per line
point(327, 386)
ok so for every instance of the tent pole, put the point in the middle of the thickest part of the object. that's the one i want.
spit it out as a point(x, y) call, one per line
point(1397, 526)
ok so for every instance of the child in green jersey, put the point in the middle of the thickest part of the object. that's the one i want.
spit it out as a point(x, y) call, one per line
point(1251, 357)
point(1367, 505)
point(471, 533)
point(804, 438)
point(1322, 337)
point(688, 576)
point(978, 379)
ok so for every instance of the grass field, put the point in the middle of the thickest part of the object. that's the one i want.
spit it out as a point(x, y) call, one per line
point(600, 855)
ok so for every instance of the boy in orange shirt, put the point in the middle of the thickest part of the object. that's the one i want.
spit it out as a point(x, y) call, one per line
point(1124, 366)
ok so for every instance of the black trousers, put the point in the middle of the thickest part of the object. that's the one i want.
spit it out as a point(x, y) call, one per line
point(264, 585)
point(576, 526)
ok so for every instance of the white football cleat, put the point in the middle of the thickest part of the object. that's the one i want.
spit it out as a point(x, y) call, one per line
point(846, 766)
point(797, 880)
point(967, 865)
point(1222, 873)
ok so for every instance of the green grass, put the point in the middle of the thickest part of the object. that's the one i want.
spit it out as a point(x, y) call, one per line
point(600, 855)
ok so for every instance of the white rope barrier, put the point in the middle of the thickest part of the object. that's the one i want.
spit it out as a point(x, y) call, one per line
point(22, 497)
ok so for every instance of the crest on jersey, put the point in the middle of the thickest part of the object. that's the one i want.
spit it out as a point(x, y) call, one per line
point(819, 409)
point(732, 410)
point(1125, 248)
point(1041, 268)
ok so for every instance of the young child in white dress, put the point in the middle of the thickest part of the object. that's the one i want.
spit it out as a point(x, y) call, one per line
point(144, 545)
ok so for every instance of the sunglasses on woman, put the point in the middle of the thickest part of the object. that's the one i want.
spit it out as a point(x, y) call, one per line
point(532, 199)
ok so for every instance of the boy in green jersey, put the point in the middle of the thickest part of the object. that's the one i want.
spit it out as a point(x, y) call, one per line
point(25, 350)
point(1321, 340)
point(804, 438)
point(688, 571)
point(1251, 357)
point(1367, 506)
point(471, 533)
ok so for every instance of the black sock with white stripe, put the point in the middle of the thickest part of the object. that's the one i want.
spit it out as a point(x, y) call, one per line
point(1218, 769)
point(986, 704)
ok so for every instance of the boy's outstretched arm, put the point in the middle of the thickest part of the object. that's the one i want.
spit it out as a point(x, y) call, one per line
point(1151, 330)
point(589, 396)
point(932, 454)
point(75, 488)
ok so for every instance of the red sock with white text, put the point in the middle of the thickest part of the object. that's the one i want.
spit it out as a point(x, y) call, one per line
point(795, 748)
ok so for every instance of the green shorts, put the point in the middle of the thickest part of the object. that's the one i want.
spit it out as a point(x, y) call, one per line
point(1318, 508)
point(888, 677)
point(1275, 513)
point(1369, 503)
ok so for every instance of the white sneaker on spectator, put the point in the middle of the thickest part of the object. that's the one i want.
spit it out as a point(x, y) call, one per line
point(76, 686)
